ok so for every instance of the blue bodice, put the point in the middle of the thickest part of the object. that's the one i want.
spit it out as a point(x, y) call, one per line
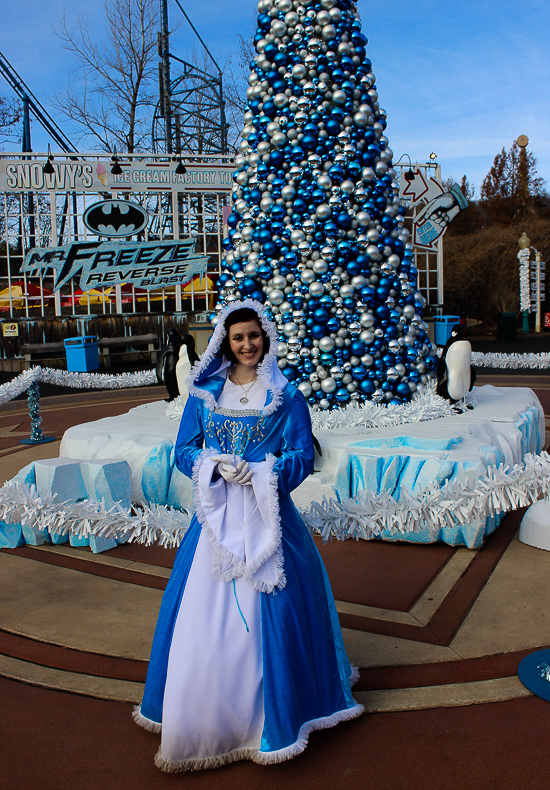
point(286, 434)
point(234, 431)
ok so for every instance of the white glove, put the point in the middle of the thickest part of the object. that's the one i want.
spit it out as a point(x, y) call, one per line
point(232, 469)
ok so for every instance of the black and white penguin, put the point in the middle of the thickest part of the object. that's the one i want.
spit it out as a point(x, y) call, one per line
point(455, 373)
point(187, 358)
point(166, 366)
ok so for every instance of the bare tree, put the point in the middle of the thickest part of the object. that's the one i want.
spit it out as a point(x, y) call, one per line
point(236, 71)
point(10, 114)
point(113, 98)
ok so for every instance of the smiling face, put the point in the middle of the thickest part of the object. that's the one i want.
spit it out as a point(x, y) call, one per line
point(246, 343)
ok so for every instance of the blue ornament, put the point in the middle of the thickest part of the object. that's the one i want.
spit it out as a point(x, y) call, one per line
point(289, 373)
point(367, 387)
point(403, 389)
point(318, 331)
point(357, 348)
point(321, 315)
point(341, 395)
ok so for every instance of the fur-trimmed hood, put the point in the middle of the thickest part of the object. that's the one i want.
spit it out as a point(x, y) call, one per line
point(214, 364)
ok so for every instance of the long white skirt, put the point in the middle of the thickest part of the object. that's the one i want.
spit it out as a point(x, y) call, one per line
point(213, 699)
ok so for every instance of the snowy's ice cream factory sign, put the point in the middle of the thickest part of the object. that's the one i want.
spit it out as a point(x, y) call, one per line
point(94, 176)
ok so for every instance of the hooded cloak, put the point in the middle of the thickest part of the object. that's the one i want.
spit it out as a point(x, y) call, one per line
point(248, 656)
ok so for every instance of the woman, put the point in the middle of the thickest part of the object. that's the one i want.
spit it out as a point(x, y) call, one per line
point(248, 656)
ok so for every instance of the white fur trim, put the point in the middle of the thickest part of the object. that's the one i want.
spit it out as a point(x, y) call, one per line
point(354, 676)
point(201, 763)
point(279, 756)
point(257, 756)
point(147, 724)
point(221, 555)
point(219, 552)
point(275, 547)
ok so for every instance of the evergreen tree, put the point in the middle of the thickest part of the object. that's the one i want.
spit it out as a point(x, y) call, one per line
point(511, 182)
point(316, 227)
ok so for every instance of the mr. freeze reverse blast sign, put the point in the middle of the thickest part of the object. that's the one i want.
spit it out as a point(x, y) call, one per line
point(153, 264)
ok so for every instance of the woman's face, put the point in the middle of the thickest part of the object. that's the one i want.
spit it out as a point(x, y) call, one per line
point(246, 342)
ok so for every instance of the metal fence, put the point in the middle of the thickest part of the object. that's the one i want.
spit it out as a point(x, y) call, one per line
point(35, 212)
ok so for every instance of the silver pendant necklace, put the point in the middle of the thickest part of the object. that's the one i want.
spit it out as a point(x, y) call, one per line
point(244, 398)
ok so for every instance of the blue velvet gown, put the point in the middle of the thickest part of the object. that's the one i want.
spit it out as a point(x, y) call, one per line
point(306, 673)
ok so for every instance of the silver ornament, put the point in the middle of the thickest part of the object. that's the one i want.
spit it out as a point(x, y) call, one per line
point(339, 98)
point(328, 385)
point(275, 296)
point(316, 289)
point(299, 71)
point(323, 211)
point(328, 32)
point(320, 266)
point(278, 281)
point(288, 192)
point(278, 28)
point(290, 329)
point(373, 252)
point(307, 276)
point(326, 344)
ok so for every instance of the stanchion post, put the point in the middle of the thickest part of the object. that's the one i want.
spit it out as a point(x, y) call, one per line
point(37, 436)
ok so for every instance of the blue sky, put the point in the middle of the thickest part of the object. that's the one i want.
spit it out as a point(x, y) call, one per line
point(460, 79)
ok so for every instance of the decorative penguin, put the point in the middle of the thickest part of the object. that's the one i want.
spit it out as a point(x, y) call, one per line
point(166, 366)
point(187, 358)
point(455, 373)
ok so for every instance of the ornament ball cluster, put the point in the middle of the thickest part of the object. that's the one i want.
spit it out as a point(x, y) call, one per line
point(316, 229)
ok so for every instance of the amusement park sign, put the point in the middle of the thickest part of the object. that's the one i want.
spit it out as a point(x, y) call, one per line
point(101, 264)
point(95, 176)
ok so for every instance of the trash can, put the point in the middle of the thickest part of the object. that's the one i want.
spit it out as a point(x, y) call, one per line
point(443, 326)
point(82, 354)
point(507, 327)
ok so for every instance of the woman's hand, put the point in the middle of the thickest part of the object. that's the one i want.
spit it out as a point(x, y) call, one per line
point(232, 470)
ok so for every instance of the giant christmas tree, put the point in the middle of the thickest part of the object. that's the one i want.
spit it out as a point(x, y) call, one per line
point(316, 229)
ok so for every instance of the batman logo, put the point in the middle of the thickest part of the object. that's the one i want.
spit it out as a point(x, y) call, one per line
point(115, 218)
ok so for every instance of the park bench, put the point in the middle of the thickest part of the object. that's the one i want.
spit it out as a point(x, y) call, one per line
point(128, 344)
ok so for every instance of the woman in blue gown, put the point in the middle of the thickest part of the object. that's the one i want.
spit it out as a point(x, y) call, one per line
point(248, 656)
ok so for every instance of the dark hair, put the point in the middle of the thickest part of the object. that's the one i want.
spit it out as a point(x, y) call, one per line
point(240, 317)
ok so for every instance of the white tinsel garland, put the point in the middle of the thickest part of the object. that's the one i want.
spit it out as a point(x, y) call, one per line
point(21, 504)
point(524, 294)
point(368, 516)
point(425, 405)
point(455, 504)
point(64, 378)
point(511, 361)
